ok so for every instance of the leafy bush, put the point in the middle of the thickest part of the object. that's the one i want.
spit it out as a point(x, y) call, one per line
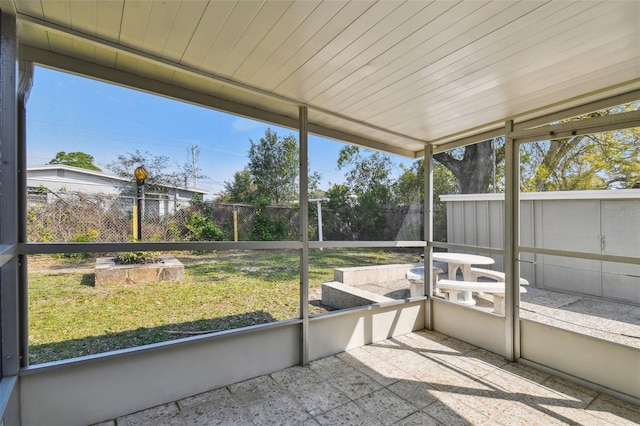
point(265, 228)
point(202, 228)
point(88, 237)
point(130, 257)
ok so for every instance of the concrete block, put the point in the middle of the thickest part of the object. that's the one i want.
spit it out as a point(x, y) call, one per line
point(108, 272)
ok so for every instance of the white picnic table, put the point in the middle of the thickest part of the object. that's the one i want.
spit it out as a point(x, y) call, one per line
point(463, 262)
point(457, 261)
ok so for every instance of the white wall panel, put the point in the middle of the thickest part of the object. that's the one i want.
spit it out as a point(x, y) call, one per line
point(606, 364)
point(101, 389)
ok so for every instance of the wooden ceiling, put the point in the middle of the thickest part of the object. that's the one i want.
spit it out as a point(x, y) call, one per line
point(392, 75)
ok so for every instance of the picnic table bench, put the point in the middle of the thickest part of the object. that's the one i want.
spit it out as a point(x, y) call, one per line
point(456, 290)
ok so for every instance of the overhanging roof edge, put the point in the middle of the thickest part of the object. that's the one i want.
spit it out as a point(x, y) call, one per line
point(49, 26)
point(100, 72)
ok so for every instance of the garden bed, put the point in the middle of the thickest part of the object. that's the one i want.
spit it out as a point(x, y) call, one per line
point(165, 268)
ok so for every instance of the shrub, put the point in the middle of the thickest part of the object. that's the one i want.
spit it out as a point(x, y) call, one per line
point(265, 228)
point(130, 257)
point(203, 229)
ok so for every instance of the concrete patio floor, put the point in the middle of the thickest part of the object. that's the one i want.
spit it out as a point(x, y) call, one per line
point(593, 316)
point(421, 378)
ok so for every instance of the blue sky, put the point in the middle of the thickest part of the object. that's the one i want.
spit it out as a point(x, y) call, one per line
point(71, 113)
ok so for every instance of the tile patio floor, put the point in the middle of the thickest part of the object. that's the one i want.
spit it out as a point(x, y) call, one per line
point(421, 378)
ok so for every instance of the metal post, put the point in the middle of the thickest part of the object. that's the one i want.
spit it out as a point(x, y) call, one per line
point(512, 242)
point(24, 89)
point(319, 204)
point(139, 211)
point(304, 235)
point(12, 282)
point(428, 233)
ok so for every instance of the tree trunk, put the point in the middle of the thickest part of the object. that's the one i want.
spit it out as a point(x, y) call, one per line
point(474, 170)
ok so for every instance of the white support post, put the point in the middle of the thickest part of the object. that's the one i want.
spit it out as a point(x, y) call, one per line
point(428, 233)
point(512, 242)
point(304, 235)
point(25, 83)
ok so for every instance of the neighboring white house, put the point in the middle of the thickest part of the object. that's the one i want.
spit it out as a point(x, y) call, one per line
point(57, 178)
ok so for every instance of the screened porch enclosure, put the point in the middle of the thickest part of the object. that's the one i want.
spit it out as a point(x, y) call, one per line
point(413, 80)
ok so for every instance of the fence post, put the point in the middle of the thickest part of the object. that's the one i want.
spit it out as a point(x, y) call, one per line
point(134, 214)
point(235, 224)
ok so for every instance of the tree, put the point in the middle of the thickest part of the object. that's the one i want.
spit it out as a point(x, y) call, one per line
point(240, 190)
point(273, 163)
point(160, 179)
point(409, 189)
point(367, 191)
point(607, 160)
point(75, 159)
point(473, 165)
point(272, 173)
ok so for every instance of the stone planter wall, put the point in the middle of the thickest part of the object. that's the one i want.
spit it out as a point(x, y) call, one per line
point(108, 272)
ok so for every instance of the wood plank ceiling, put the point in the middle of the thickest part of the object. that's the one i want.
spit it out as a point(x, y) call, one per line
point(393, 75)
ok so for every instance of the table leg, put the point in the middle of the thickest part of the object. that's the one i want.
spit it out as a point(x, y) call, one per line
point(464, 297)
point(466, 275)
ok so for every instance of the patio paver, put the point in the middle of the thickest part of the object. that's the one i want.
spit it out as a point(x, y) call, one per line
point(421, 378)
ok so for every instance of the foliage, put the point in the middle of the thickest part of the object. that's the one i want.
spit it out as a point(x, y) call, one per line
point(608, 160)
point(161, 176)
point(131, 257)
point(199, 222)
point(368, 181)
point(84, 237)
point(473, 165)
point(241, 189)
point(341, 204)
point(273, 163)
point(202, 228)
point(75, 159)
point(266, 228)
point(272, 173)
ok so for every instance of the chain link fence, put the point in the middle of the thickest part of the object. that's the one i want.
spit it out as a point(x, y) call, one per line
point(82, 217)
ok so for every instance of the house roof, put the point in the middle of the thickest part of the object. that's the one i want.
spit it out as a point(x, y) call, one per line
point(87, 172)
point(390, 75)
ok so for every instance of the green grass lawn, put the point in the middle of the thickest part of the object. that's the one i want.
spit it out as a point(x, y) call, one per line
point(70, 317)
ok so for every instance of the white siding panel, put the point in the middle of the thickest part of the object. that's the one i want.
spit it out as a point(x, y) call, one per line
point(328, 54)
point(525, 74)
point(234, 27)
point(379, 38)
point(474, 57)
point(280, 33)
point(83, 17)
point(110, 13)
point(135, 19)
point(31, 8)
point(483, 218)
point(291, 47)
point(412, 48)
point(335, 90)
point(183, 28)
point(161, 19)
point(317, 41)
point(57, 11)
point(246, 45)
point(206, 33)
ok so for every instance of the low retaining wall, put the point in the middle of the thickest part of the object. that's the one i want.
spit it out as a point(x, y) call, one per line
point(343, 293)
point(360, 275)
point(342, 296)
point(108, 272)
